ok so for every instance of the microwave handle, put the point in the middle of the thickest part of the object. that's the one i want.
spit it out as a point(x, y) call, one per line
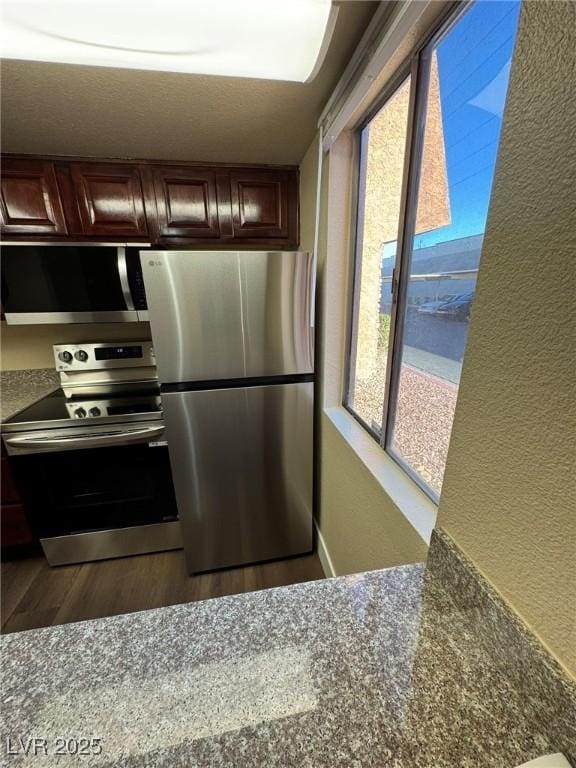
point(123, 275)
point(96, 441)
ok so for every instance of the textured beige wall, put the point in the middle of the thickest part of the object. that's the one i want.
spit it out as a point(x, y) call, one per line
point(30, 346)
point(509, 494)
point(362, 528)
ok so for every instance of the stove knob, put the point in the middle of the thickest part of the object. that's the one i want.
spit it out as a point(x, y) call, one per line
point(94, 411)
point(66, 357)
point(81, 355)
point(79, 413)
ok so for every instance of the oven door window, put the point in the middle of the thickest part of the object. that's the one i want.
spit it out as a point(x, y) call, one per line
point(61, 279)
point(96, 489)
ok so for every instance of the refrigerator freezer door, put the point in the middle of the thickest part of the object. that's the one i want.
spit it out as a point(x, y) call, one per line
point(242, 467)
point(229, 315)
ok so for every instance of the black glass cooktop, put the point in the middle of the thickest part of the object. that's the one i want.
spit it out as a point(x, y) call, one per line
point(56, 407)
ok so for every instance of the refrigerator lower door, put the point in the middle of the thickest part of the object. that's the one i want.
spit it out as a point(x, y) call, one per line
point(242, 467)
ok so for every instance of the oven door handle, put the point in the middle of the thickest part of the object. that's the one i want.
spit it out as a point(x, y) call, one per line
point(113, 438)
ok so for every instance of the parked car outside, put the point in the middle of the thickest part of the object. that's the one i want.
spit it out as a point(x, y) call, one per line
point(431, 307)
point(457, 308)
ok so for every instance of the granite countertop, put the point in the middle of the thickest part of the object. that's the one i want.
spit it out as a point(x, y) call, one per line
point(19, 389)
point(402, 668)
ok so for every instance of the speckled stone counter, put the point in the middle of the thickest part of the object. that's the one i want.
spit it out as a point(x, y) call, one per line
point(396, 668)
point(19, 389)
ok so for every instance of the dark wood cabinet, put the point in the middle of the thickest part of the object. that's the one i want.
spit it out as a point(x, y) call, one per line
point(110, 200)
point(161, 203)
point(14, 528)
point(15, 532)
point(30, 200)
point(187, 202)
point(261, 205)
point(10, 493)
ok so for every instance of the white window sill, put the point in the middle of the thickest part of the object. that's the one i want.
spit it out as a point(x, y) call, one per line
point(417, 508)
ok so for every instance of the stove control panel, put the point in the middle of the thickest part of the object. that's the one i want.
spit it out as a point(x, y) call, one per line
point(116, 406)
point(94, 356)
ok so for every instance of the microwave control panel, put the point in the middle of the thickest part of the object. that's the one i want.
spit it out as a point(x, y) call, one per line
point(92, 356)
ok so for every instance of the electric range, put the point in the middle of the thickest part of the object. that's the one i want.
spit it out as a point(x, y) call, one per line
point(91, 459)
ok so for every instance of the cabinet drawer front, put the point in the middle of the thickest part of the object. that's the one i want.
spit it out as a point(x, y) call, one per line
point(14, 528)
point(30, 201)
point(110, 200)
point(9, 490)
point(187, 203)
point(260, 204)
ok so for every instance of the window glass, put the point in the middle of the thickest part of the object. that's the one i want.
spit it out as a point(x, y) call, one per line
point(468, 81)
point(382, 163)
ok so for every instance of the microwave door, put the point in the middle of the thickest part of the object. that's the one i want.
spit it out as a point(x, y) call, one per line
point(62, 283)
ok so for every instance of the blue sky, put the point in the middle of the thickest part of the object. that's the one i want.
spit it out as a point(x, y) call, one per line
point(474, 65)
point(474, 61)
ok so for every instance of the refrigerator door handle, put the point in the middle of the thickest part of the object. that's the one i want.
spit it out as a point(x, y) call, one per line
point(312, 303)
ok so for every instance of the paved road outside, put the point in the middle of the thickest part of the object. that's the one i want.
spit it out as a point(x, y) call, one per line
point(437, 335)
point(436, 365)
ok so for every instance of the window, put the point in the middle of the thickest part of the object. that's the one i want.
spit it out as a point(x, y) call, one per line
point(427, 160)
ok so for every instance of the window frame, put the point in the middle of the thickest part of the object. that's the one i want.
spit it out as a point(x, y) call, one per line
point(416, 67)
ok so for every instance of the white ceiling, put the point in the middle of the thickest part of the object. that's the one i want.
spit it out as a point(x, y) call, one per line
point(73, 110)
point(273, 39)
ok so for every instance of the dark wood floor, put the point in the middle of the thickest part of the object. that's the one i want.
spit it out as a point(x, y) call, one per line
point(36, 595)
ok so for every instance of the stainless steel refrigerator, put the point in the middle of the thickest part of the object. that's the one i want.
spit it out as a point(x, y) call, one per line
point(233, 338)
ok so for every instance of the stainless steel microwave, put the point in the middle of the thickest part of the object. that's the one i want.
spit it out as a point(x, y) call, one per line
point(72, 283)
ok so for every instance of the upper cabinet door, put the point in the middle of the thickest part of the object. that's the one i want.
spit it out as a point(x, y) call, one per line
point(187, 202)
point(263, 206)
point(30, 201)
point(110, 200)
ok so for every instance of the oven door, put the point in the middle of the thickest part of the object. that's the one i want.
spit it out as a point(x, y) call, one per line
point(101, 502)
point(66, 283)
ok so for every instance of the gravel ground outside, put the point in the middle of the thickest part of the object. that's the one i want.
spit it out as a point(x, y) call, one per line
point(424, 416)
point(368, 399)
point(423, 425)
